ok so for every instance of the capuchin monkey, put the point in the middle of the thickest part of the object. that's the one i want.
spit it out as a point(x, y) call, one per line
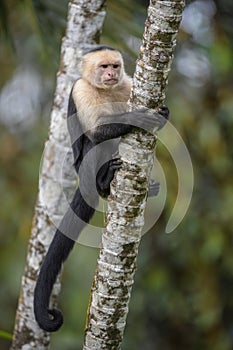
point(97, 116)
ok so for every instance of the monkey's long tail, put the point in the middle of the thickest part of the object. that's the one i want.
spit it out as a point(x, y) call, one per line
point(48, 319)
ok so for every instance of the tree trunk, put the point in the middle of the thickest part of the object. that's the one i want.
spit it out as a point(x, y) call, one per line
point(116, 266)
point(84, 24)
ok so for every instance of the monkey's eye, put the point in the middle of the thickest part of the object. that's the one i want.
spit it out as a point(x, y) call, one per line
point(115, 66)
point(104, 66)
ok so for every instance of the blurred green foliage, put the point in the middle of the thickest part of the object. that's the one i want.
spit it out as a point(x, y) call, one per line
point(183, 294)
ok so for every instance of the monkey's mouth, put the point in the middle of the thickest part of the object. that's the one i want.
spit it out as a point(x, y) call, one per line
point(110, 81)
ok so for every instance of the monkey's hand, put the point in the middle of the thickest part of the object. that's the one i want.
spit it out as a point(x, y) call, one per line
point(105, 176)
point(164, 113)
point(115, 163)
point(148, 119)
point(155, 119)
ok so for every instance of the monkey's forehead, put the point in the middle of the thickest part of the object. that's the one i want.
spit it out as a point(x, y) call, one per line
point(103, 55)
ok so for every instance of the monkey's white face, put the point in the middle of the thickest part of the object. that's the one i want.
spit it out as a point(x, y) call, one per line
point(103, 69)
point(107, 73)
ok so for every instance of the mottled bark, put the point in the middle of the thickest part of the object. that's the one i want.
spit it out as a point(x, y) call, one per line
point(84, 24)
point(125, 217)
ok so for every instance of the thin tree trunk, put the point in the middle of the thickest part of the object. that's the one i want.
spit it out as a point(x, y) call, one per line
point(84, 24)
point(116, 266)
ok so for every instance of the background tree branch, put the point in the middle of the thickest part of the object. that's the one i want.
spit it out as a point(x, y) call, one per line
point(84, 24)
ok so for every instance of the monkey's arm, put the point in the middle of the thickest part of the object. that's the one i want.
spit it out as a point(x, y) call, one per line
point(113, 126)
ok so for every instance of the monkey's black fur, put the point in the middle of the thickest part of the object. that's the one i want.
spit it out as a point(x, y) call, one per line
point(100, 48)
point(85, 198)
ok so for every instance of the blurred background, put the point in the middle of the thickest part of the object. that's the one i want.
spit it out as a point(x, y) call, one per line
point(183, 293)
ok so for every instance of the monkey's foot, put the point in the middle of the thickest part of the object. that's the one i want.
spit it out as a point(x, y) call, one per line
point(154, 187)
point(115, 163)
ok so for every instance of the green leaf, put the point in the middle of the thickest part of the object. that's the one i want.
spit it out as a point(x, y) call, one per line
point(6, 335)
